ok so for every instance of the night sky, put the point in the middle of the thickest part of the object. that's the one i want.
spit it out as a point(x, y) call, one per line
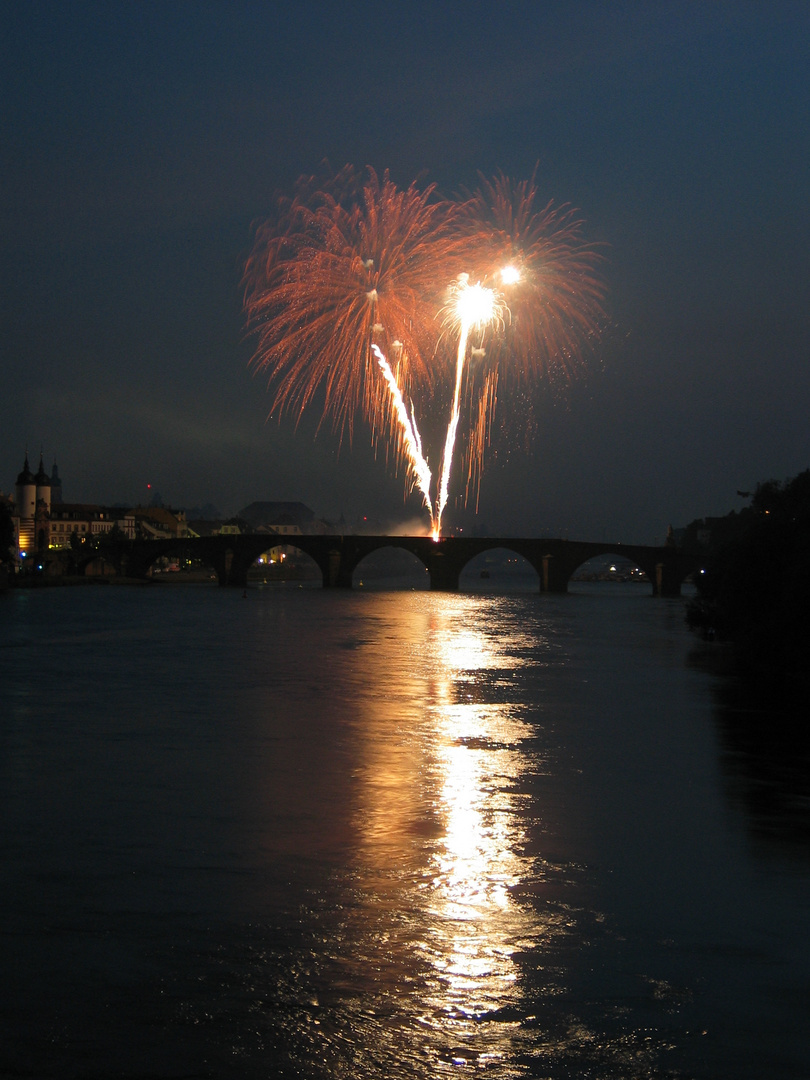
point(142, 142)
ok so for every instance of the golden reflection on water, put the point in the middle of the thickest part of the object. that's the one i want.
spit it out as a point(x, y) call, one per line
point(441, 823)
point(478, 924)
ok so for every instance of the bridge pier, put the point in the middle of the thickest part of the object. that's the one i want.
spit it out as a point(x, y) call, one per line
point(231, 571)
point(667, 581)
point(336, 574)
point(231, 566)
point(237, 576)
point(444, 571)
point(133, 566)
point(553, 576)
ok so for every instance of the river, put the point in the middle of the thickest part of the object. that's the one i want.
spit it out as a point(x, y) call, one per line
point(310, 833)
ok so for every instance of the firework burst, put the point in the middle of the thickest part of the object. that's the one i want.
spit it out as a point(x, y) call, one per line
point(348, 265)
point(537, 258)
point(347, 295)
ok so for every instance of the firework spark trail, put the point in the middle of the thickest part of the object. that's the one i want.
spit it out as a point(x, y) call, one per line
point(481, 420)
point(474, 307)
point(410, 436)
point(452, 427)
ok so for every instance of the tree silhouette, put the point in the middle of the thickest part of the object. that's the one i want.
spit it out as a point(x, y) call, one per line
point(755, 591)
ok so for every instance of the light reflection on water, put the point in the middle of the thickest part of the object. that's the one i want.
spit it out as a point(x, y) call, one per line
point(403, 835)
point(476, 925)
point(444, 802)
point(438, 824)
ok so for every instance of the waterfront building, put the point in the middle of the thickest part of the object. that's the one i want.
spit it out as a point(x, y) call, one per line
point(159, 523)
point(32, 507)
point(43, 522)
point(87, 521)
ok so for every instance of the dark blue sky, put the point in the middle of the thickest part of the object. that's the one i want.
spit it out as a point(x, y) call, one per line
point(140, 142)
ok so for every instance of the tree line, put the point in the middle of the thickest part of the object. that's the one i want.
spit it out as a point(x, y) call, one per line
point(755, 589)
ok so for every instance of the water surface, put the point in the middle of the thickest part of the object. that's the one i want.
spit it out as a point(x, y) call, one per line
point(309, 833)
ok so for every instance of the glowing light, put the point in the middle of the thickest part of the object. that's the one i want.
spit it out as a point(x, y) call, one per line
point(352, 273)
point(439, 827)
point(474, 307)
point(411, 440)
point(477, 863)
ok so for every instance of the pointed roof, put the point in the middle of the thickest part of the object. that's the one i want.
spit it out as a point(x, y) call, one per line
point(26, 476)
point(42, 479)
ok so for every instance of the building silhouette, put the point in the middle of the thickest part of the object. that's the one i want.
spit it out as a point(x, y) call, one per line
point(32, 510)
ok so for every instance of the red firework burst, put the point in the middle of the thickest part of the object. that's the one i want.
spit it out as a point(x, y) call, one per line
point(350, 263)
point(555, 295)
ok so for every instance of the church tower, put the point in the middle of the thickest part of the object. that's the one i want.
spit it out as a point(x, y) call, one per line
point(26, 498)
point(43, 482)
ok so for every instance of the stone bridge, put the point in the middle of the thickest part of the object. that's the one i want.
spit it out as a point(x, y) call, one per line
point(337, 557)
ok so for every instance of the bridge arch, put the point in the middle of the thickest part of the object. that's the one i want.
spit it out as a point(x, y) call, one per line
point(502, 569)
point(283, 560)
point(98, 564)
point(394, 563)
point(609, 566)
point(170, 556)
